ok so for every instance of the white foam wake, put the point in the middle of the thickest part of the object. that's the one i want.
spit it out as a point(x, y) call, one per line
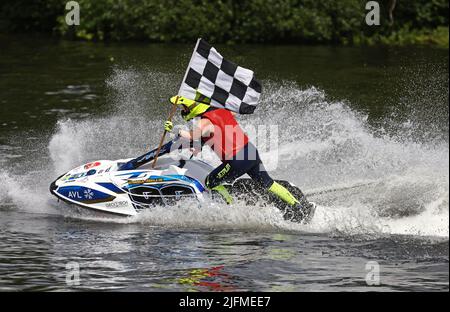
point(326, 148)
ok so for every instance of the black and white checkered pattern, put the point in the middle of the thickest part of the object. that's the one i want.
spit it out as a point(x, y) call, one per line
point(227, 85)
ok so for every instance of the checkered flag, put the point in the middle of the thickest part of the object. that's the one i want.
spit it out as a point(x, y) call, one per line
point(226, 84)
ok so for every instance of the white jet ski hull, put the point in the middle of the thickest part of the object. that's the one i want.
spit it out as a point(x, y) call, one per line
point(98, 186)
point(123, 188)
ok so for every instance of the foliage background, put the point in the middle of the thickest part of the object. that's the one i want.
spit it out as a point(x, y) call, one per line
point(228, 21)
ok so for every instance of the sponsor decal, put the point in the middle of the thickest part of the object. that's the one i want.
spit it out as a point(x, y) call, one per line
point(117, 204)
point(77, 176)
point(154, 180)
point(92, 165)
point(149, 180)
point(65, 178)
point(136, 181)
point(224, 171)
point(147, 195)
point(88, 194)
point(178, 194)
point(85, 195)
point(91, 172)
point(74, 195)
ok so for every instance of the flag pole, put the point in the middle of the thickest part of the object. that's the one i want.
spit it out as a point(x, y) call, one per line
point(174, 108)
point(172, 112)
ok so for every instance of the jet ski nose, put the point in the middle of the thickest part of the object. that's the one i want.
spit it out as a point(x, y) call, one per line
point(53, 185)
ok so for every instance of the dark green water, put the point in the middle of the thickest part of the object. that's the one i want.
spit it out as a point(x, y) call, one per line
point(375, 118)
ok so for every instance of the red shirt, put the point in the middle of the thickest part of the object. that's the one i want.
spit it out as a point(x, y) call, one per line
point(228, 137)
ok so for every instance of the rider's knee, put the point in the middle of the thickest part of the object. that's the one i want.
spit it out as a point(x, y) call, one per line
point(208, 183)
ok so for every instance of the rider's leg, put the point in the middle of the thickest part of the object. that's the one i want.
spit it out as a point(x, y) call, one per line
point(214, 181)
point(260, 175)
point(227, 172)
point(300, 209)
point(219, 188)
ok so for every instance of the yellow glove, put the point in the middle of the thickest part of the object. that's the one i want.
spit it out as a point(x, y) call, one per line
point(168, 126)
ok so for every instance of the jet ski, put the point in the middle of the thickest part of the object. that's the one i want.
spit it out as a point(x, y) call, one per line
point(125, 187)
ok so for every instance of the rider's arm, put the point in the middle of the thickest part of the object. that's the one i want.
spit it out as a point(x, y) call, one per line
point(204, 128)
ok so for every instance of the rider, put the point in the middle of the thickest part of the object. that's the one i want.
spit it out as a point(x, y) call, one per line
point(219, 129)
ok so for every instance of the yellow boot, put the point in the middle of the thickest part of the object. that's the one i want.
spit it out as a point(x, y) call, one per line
point(222, 190)
point(281, 192)
point(297, 211)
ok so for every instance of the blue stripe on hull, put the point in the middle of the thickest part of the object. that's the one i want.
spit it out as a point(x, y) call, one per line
point(111, 187)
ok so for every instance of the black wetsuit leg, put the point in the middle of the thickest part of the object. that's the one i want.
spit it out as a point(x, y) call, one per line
point(259, 174)
point(246, 161)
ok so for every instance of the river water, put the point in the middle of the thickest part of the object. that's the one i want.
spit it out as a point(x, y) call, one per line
point(363, 132)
